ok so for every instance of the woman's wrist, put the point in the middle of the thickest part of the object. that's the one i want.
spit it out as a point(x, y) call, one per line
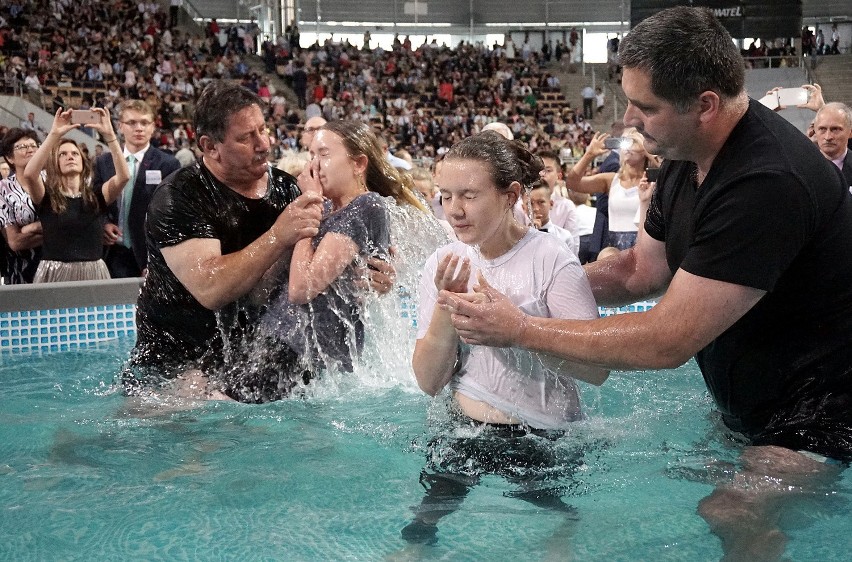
point(107, 141)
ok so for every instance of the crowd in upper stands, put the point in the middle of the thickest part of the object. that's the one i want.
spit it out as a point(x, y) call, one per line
point(97, 54)
point(428, 98)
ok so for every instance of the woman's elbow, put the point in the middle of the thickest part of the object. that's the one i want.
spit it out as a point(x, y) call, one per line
point(429, 385)
point(426, 377)
point(17, 245)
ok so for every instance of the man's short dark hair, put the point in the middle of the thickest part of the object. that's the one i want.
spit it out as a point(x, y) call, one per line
point(551, 155)
point(218, 101)
point(686, 51)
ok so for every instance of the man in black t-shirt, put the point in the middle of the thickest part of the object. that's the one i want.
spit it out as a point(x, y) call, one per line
point(744, 240)
point(212, 231)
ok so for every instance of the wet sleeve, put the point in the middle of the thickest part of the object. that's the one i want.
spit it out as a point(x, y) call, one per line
point(366, 222)
point(568, 293)
point(174, 218)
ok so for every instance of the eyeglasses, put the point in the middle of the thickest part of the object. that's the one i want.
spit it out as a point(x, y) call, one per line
point(134, 124)
point(25, 147)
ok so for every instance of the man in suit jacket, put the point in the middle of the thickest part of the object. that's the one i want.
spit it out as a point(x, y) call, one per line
point(833, 130)
point(126, 255)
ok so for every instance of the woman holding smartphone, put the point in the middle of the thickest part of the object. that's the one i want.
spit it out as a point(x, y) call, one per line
point(622, 186)
point(70, 209)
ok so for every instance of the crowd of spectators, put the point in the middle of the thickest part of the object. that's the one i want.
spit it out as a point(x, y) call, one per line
point(97, 54)
point(424, 100)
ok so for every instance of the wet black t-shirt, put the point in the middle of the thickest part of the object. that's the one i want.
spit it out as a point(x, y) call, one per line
point(771, 214)
point(174, 329)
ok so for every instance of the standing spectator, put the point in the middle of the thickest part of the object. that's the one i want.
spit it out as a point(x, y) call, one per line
point(312, 125)
point(33, 86)
point(126, 254)
point(29, 124)
point(18, 217)
point(835, 40)
point(300, 83)
point(174, 12)
point(622, 187)
point(185, 155)
point(600, 99)
point(833, 130)
point(70, 209)
point(588, 94)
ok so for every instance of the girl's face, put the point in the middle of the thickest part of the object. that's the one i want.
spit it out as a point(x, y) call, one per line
point(70, 159)
point(474, 207)
point(338, 172)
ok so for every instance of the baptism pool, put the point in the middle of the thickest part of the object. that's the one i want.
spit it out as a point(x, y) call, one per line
point(334, 476)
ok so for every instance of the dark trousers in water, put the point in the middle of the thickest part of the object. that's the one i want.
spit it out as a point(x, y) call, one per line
point(523, 456)
point(267, 372)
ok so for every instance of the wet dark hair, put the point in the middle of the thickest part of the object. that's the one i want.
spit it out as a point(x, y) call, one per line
point(10, 139)
point(686, 51)
point(509, 161)
point(217, 103)
point(381, 176)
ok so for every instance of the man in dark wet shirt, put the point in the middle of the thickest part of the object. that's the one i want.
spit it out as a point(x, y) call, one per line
point(212, 231)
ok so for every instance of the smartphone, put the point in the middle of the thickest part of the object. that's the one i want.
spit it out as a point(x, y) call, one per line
point(770, 100)
point(614, 143)
point(792, 96)
point(652, 174)
point(85, 116)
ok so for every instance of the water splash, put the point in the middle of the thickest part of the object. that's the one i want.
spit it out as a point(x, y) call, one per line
point(388, 322)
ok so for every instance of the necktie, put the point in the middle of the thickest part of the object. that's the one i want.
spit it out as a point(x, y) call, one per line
point(126, 197)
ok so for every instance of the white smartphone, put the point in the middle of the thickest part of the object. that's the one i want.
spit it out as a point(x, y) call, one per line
point(770, 100)
point(791, 97)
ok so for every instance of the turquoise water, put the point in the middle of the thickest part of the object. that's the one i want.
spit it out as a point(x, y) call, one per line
point(334, 476)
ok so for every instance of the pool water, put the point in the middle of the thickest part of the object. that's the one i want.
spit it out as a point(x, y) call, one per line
point(334, 476)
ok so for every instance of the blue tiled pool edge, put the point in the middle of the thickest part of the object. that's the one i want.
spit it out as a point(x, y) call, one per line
point(60, 316)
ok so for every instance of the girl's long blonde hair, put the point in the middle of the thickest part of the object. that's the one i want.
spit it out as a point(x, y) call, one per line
point(381, 176)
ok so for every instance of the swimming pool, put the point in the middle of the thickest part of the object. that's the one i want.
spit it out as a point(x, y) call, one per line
point(334, 476)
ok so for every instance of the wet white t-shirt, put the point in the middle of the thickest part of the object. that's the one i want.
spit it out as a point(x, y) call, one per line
point(544, 278)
